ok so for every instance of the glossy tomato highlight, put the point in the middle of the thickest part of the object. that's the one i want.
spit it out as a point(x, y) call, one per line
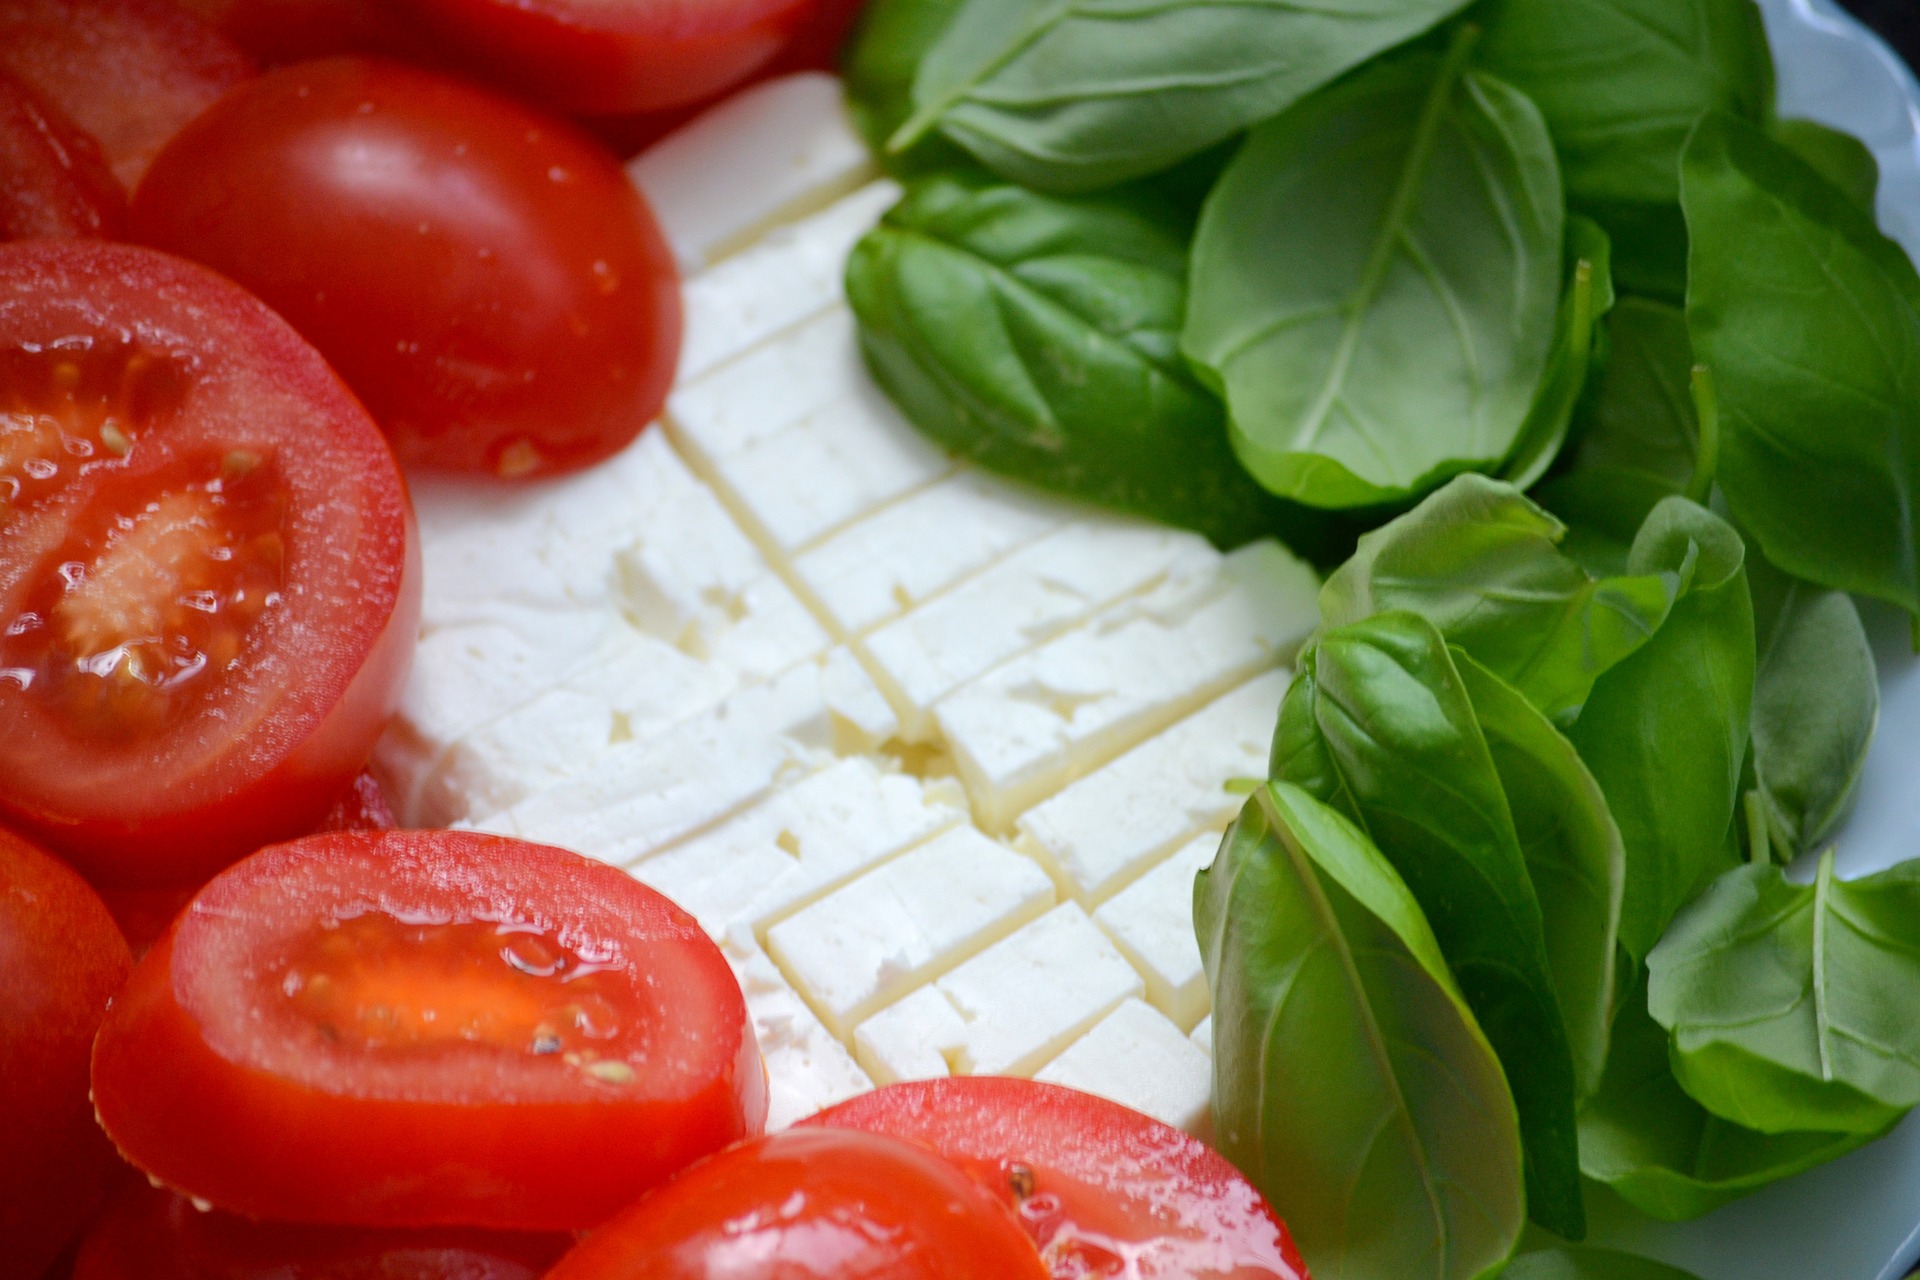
point(484, 277)
point(812, 1203)
point(208, 586)
point(427, 1027)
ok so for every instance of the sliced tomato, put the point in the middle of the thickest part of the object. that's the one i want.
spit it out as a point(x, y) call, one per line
point(127, 72)
point(363, 806)
point(485, 277)
point(53, 181)
point(1102, 1189)
point(151, 1234)
point(208, 587)
point(413, 1028)
point(802, 1205)
point(61, 960)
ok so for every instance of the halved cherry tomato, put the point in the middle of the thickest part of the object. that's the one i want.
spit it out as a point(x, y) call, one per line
point(363, 806)
point(208, 589)
point(128, 72)
point(53, 182)
point(282, 31)
point(1104, 1190)
point(602, 57)
point(810, 1204)
point(412, 1028)
point(485, 277)
point(61, 960)
point(150, 1234)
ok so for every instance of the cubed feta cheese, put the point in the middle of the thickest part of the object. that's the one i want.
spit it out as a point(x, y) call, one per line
point(1135, 1057)
point(1151, 921)
point(777, 384)
point(807, 1069)
point(1202, 1035)
point(921, 1037)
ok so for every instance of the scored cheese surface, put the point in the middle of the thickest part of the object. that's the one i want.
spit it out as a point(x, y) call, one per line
point(932, 757)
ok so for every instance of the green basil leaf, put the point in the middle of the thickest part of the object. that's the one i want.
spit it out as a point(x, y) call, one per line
point(1072, 95)
point(1840, 158)
point(1603, 509)
point(1402, 736)
point(1649, 246)
point(1810, 321)
point(1590, 1264)
point(1641, 416)
point(1351, 1082)
point(881, 58)
point(1037, 336)
point(1621, 82)
point(1665, 730)
point(1791, 1006)
point(1483, 564)
point(1588, 298)
point(1374, 283)
point(1816, 701)
point(1574, 858)
point(1664, 1153)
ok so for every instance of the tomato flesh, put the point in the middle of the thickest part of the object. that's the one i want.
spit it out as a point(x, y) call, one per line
point(485, 278)
point(363, 806)
point(413, 1028)
point(208, 584)
point(61, 960)
point(1102, 1189)
point(53, 181)
point(811, 1205)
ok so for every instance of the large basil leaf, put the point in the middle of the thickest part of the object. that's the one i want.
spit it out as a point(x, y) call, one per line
point(1791, 1006)
point(1663, 1152)
point(1070, 95)
point(1810, 321)
point(879, 64)
point(1665, 730)
point(1375, 280)
point(1350, 1081)
point(1590, 1264)
point(1603, 508)
point(1483, 564)
point(1588, 298)
point(1641, 416)
point(1621, 82)
point(1403, 739)
point(1840, 158)
point(1574, 858)
point(1037, 336)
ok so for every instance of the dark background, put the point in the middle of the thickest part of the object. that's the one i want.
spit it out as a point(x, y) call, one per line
point(1897, 20)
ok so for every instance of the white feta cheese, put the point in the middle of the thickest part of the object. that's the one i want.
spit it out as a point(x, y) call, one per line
point(907, 553)
point(1203, 1035)
point(1103, 830)
point(777, 384)
point(790, 134)
point(1023, 601)
point(793, 273)
point(1061, 711)
point(1135, 1057)
point(800, 843)
point(873, 940)
point(807, 1069)
point(1151, 921)
point(921, 1037)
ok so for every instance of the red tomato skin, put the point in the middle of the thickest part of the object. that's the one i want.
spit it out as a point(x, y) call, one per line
point(1125, 1175)
point(816, 1204)
point(278, 32)
point(146, 826)
point(500, 297)
point(363, 806)
point(53, 181)
point(258, 1143)
point(150, 1234)
point(128, 72)
point(61, 960)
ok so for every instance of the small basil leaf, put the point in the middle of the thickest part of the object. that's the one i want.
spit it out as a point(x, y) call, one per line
point(1574, 858)
point(1350, 1080)
point(1791, 1006)
point(878, 67)
point(1036, 335)
point(1402, 736)
point(1590, 1264)
point(1622, 81)
point(1374, 283)
point(1641, 416)
point(1810, 321)
point(1483, 564)
point(1840, 158)
point(1585, 304)
point(1072, 96)
point(1661, 1151)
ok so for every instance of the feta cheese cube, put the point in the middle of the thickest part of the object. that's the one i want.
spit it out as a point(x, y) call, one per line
point(1151, 921)
point(1068, 707)
point(1137, 1058)
point(1103, 830)
point(790, 133)
point(807, 1069)
point(770, 388)
point(1203, 1035)
point(873, 940)
point(921, 1037)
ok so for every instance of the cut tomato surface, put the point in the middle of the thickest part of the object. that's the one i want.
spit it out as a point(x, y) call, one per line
point(817, 1204)
point(484, 276)
point(1102, 1189)
point(151, 1234)
point(208, 587)
point(53, 181)
point(427, 1027)
point(363, 806)
point(127, 72)
point(61, 960)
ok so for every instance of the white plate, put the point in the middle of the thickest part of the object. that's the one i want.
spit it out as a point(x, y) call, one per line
point(1858, 1218)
